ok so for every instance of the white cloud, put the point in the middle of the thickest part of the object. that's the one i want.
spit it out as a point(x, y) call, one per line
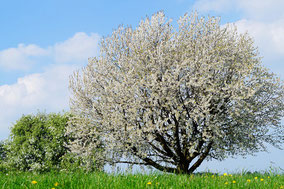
point(25, 92)
point(268, 35)
point(21, 57)
point(47, 90)
point(78, 48)
point(41, 91)
point(74, 50)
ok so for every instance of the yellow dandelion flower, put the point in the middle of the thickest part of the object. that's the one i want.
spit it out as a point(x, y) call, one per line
point(56, 184)
point(52, 188)
point(268, 177)
point(212, 176)
point(234, 181)
point(225, 174)
point(248, 180)
point(278, 175)
point(255, 178)
point(230, 175)
point(226, 183)
point(261, 179)
point(149, 183)
point(281, 187)
point(34, 182)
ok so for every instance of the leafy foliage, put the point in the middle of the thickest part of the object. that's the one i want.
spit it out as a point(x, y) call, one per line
point(3, 154)
point(171, 99)
point(2, 151)
point(38, 143)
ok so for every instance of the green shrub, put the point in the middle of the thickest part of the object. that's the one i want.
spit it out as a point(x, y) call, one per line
point(37, 142)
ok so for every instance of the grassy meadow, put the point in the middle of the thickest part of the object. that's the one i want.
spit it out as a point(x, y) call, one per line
point(154, 180)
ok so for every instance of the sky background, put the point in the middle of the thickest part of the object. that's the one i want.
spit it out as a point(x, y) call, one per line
point(43, 42)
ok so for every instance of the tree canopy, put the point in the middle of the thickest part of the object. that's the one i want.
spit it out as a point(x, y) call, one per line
point(37, 142)
point(171, 98)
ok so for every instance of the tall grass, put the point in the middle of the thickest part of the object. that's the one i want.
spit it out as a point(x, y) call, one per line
point(79, 180)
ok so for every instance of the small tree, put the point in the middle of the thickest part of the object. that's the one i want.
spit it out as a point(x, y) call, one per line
point(37, 142)
point(172, 98)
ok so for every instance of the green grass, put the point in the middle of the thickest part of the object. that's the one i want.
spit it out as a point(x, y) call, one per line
point(104, 180)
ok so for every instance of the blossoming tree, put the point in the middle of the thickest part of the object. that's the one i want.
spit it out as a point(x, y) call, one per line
point(171, 98)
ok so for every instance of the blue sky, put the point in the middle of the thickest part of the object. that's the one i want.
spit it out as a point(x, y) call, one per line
point(43, 42)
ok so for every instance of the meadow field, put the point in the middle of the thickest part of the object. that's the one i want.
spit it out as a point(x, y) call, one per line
point(82, 180)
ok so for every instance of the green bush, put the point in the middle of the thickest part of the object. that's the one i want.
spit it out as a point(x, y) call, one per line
point(37, 142)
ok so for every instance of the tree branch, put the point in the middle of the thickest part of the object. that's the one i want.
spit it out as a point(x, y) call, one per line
point(165, 146)
point(201, 158)
point(176, 133)
point(130, 162)
point(158, 149)
point(150, 162)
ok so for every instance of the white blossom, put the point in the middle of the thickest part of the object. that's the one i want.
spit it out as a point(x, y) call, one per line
point(172, 98)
